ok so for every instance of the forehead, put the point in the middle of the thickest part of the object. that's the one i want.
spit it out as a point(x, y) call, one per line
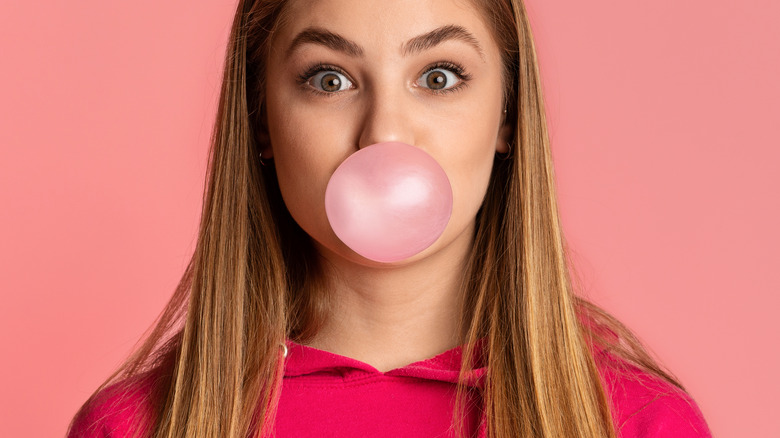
point(385, 24)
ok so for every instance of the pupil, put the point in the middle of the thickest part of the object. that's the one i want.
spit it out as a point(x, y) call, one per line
point(437, 80)
point(331, 82)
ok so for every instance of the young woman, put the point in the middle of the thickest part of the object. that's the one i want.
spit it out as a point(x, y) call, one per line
point(282, 326)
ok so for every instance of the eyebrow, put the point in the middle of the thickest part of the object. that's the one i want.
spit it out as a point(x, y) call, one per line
point(438, 36)
point(324, 37)
point(336, 42)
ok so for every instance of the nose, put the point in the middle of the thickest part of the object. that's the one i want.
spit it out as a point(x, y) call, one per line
point(387, 117)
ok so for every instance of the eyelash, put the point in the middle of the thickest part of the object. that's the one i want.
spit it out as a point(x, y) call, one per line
point(306, 76)
point(459, 71)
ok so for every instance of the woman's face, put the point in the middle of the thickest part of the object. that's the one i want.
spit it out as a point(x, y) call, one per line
point(346, 74)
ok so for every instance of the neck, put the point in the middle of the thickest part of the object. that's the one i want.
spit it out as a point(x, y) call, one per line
point(391, 316)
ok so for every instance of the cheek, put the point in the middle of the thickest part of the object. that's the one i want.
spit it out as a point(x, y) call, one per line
point(470, 181)
point(308, 146)
point(302, 172)
point(299, 182)
point(469, 163)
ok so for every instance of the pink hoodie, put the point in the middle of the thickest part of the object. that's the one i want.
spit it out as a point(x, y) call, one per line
point(328, 395)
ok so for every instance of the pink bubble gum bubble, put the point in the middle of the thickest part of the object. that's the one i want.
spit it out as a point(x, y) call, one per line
point(388, 201)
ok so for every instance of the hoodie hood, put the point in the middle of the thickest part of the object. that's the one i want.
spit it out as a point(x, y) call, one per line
point(302, 360)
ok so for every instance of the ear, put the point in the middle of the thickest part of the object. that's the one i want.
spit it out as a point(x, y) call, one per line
point(504, 137)
point(264, 139)
point(262, 136)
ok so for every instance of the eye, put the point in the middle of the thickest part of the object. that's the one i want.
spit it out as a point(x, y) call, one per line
point(329, 81)
point(438, 79)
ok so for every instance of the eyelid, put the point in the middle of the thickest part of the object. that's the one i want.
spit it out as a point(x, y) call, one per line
point(448, 65)
point(316, 83)
point(459, 71)
point(312, 71)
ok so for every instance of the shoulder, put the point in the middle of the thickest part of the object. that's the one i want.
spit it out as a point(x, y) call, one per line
point(647, 406)
point(118, 410)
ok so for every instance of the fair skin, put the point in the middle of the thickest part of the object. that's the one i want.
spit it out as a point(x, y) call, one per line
point(377, 83)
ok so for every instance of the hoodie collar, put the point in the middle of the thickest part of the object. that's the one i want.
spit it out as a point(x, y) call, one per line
point(302, 360)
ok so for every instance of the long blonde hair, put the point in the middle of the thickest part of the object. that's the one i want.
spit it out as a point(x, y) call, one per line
point(214, 359)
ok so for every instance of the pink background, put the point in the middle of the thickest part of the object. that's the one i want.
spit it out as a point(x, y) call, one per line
point(664, 120)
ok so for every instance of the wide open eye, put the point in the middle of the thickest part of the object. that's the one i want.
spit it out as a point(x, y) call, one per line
point(329, 81)
point(438, 79)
